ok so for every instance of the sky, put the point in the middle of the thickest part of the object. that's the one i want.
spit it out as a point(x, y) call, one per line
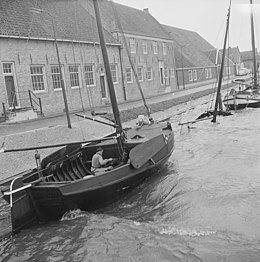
point(207, 18)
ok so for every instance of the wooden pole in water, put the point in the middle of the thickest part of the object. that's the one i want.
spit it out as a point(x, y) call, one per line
point(253, 46)
point(218, 97)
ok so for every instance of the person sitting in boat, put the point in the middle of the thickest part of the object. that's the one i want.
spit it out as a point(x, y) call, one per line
point(98, 163)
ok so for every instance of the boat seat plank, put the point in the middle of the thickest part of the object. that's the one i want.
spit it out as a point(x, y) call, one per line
point(55, 177)
point(66, 175)
point(69, 172)
point(75, 169)
point(59, 175)
point(84, 167)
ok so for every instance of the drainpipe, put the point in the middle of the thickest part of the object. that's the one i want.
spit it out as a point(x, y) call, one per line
point(122, 74)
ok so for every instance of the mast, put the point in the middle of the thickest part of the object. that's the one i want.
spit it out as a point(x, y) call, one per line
point(218, 97)
point(253, 46)
point(120, 29)
point(115, 109)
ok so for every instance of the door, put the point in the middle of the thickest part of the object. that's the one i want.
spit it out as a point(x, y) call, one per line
point(103, 86)
point(10, 89)
point(161, 72)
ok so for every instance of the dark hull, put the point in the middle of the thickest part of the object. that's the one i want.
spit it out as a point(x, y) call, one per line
point(89, 194)
point(241, 100)
point(65, 182)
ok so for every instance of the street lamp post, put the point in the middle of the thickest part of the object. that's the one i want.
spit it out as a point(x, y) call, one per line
point(40, 11)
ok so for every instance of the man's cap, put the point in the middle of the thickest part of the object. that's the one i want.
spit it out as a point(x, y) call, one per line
point(99, 149)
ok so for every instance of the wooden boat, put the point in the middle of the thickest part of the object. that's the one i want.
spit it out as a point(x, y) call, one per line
point(63, 180)
point(248, 95)
point(218, 108)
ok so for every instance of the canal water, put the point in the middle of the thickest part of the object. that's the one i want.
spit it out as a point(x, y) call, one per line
point(203, 205)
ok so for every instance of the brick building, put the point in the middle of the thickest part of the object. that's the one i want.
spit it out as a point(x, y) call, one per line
point(197, 61)
point(29, 66)
point(149, 44)
point(247, 58)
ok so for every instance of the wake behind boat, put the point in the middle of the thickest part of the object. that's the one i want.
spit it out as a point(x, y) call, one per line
point(64, 181)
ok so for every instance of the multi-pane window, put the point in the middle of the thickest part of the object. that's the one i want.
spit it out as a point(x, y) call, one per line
point(206, 73)
point(74, 76)
point(89, 75)
point(194, 75)
point(132, 46)
point(7, 68)
point(129, 78)
point(145, 51)
point(37, 76)
point(172, 72)
point(164, 48)
point(113, 68)
point(210, 73)
point(166, 72)
point(190, 75)
point(140, 74)
point(56, 77)
point(155, 48)
point(228, 70)
point(149, 73)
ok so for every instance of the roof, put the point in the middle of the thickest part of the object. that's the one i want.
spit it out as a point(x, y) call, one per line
point(190, 48)
point(248, 55)
point(216, 54)
point(71, 21)
point(133, 21)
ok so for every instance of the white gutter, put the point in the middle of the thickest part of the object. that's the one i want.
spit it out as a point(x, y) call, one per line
point(52, 39)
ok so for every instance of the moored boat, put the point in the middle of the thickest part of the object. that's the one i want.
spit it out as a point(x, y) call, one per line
point(248, 95)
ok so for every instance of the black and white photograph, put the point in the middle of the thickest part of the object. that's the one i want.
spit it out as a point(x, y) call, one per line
point(130, 130)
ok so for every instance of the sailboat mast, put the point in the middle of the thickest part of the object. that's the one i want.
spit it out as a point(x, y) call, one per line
point(115, 109)
point(253, 45)
point(218, 98)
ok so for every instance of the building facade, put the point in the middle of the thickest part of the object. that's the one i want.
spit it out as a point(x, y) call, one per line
point(29, 58)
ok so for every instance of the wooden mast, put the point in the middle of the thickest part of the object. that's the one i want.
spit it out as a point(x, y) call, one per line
point(253, 46)
point(115, 109)
point(218, 97)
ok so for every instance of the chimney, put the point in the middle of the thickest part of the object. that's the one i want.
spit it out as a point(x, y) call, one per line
point(146, 10)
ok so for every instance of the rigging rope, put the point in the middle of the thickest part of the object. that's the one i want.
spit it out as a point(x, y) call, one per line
point(120, 28)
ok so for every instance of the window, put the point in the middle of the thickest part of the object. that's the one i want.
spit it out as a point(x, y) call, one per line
point(37, 76)
point(145, 51)
point(194, 75)
point(74, 76)
point(149, 73)
point(7, 68)
point(113, 69)
point(132, 46)
point(129, 78)
point(172, 72)
point(228, 70)
point(140, 74)
point(89, 75)
point(166, 72)
point(210, 73)
point(190, 75)
point(155, 48)
point(206, 73)
point(164, 48)
point(56, 77)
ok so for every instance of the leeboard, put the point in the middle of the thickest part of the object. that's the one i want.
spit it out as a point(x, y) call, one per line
point(142, 153)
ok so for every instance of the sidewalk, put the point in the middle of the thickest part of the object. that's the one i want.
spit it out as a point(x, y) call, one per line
point(61, 120)
point(53, 130)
